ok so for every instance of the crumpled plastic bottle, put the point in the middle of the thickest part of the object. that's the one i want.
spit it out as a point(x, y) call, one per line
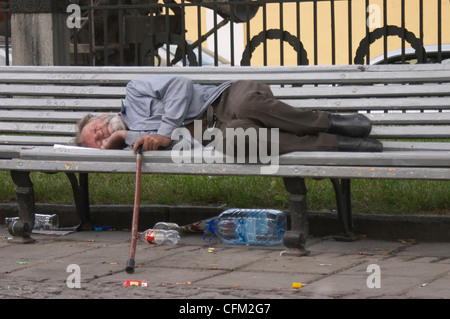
point(41, 221)
point(161, 234)
point(263, 227)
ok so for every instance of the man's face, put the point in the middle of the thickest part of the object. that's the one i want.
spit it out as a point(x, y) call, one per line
point(100, 129)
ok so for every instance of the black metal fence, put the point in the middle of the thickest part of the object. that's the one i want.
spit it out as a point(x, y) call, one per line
point(260, 32)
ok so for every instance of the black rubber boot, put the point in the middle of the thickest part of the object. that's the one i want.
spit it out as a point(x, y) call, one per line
point(354, 125)
point(352, 144)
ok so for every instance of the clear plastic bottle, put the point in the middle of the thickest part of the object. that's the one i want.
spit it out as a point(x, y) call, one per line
point(160, 236)
point(263, 227)
point(41, 221)
point(167, 226)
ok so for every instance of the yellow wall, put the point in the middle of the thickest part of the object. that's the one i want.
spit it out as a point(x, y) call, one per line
point(359, 9)
point(341, 23)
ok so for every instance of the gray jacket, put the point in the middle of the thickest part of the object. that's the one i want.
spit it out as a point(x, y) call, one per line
point(160, 104)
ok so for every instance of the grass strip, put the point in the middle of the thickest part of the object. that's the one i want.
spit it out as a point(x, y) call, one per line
point(368, 196)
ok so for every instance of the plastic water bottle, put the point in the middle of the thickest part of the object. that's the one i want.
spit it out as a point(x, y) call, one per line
point(160, 236)
point(263, 227)
point(167, 226)
point(41, 221)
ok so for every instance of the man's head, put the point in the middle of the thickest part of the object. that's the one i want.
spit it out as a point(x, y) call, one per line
point(92, 130)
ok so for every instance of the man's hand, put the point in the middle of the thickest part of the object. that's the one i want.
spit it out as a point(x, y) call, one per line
point(115, 141)
point(152, 142)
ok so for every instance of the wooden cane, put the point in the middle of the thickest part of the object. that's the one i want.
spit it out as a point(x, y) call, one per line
point(137, 198)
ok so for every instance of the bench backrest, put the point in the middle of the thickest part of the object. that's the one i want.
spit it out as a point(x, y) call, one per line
point(40, 105)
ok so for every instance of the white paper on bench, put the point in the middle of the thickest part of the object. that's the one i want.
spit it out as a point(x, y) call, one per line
point(72, 147)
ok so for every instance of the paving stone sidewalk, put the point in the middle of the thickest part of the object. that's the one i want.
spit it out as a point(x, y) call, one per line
point(190, 270)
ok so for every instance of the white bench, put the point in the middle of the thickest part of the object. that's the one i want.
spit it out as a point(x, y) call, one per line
point(408, 104)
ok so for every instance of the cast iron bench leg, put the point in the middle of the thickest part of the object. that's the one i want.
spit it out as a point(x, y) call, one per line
point(295, 239)
point(26, 206)
point(342, 190)
point(80, 188)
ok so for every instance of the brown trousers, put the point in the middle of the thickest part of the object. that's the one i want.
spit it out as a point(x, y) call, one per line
point(248, 104)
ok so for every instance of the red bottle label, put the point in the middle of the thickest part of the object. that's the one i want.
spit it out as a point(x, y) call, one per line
point(150, 236)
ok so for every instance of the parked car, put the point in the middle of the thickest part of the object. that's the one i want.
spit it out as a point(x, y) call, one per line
point(207, 57)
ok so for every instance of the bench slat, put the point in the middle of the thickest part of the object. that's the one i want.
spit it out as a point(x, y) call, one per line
point(303, 171)
point(43, 116)
point(282, 93)
point(411, 132)
point(34, 140)
point(8, 151)
point(37, 128)
point(284, 74)
point(60, 104)
point(362, 91)
point(348, 104)
point(62, 142)
point(407, 158)
point(410, 118)
point(61, 90)
point(218, 77)
point(416, 146)
point(407, 103)
point(209, 69)
point(373, 103)
point(83, 70)
point(381, 118)
point(404, 132)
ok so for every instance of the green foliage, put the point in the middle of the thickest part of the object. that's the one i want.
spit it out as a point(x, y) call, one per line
point(368, 196)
